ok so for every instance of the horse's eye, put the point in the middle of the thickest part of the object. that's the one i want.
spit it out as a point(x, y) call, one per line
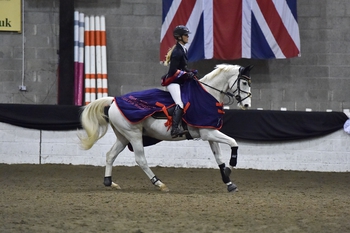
point(245, 83)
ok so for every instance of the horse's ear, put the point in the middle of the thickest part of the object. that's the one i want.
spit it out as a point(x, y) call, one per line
point(246, 70)
point(250, 67)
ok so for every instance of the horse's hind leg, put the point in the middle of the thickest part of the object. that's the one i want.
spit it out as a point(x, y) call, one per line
point(215, 147)
point(140, 159)
point(111, 155)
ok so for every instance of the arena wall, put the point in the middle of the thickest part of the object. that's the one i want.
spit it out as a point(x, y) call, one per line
point(318, 80)
point(330, 153)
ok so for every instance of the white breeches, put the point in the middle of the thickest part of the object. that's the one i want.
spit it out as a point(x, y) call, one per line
point(175, 92)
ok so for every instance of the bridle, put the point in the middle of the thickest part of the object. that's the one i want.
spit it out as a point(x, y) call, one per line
point(236, 93)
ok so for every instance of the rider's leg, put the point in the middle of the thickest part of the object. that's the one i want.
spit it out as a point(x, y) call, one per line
point(175, 93)
point(177, 117)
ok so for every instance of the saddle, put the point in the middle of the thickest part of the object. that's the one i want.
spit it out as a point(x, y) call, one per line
point(162, 115)
point(169, 112)
point(148, 141)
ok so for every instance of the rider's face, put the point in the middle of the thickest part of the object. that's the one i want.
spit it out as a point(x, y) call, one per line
point(185, 38)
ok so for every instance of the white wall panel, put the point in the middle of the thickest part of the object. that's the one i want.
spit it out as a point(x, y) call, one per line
point(329, 153)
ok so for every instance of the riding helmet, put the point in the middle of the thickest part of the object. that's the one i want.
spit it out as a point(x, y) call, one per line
point(180, 31)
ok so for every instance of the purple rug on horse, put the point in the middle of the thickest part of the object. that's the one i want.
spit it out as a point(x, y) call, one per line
point(201, 108)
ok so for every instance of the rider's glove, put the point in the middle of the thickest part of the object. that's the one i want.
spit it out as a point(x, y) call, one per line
point(192, 74)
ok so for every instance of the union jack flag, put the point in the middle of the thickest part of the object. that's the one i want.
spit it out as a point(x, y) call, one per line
point(233, 29)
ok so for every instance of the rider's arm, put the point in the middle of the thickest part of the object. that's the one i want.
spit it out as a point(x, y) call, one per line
point(174, 62)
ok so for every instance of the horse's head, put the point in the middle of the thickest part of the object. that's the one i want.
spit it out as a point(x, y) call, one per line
point(232, 81)
point(240, 87)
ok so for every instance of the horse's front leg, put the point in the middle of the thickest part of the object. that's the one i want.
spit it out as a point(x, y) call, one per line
point(215, 147)
point(217, 136)
point(140, 159)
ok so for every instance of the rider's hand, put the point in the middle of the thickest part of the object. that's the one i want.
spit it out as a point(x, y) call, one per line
point(194, 71)
point(191, 75)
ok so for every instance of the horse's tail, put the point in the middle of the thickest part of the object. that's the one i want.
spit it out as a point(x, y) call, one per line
point(94, 121)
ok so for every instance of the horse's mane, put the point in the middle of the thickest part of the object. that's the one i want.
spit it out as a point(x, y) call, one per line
point(220, 68)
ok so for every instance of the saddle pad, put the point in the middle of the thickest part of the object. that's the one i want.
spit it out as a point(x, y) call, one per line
point(201, 108)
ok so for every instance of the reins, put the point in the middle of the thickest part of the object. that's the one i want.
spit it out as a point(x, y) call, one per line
point(222, 92)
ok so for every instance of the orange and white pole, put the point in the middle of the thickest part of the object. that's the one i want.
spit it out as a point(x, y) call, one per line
point(87, 61)
point(98, 57)
point(92, 59)
point(104, 57)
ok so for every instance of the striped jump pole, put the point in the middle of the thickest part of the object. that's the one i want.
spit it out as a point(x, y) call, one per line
point(98, 57)
point(95, 61)
point(80, 82)
point(76, 55)
point(92, 59)
point(87, 61)
point(104, 57)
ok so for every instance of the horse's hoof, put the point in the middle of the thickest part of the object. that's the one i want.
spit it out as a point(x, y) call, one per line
point(115, 186)
point(232, 188)
point(227, 171)
point(163, 188)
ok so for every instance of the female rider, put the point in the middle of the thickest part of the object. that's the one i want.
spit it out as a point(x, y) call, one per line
point(177, 74)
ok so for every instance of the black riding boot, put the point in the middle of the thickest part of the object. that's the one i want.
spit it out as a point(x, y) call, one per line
point(177, 117)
